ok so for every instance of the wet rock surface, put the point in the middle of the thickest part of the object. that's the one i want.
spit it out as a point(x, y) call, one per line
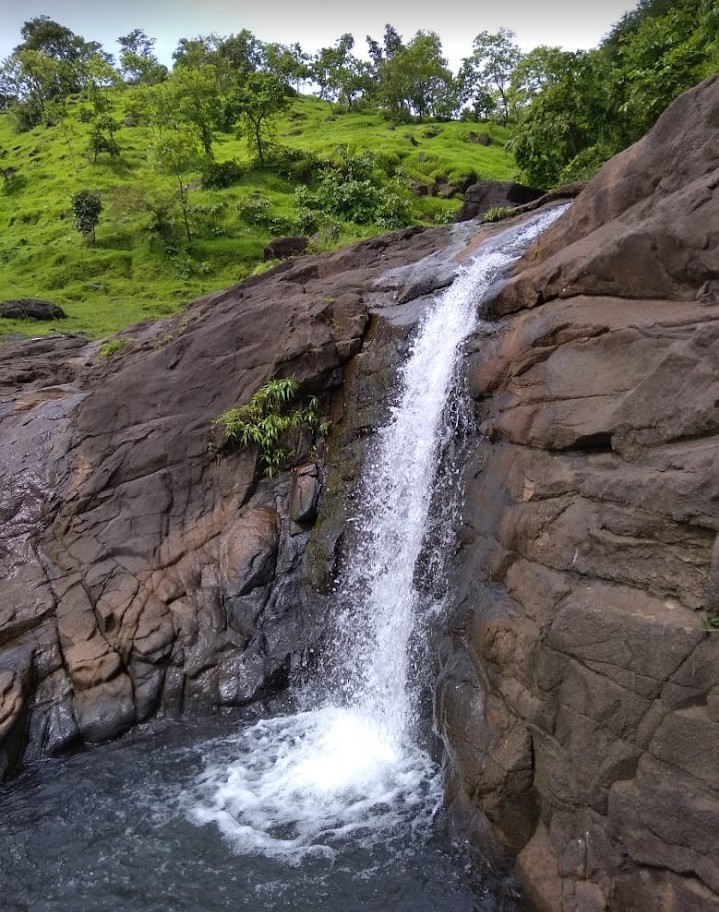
point(579, 692)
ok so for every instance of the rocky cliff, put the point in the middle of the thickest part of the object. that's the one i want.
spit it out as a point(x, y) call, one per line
point(579, 697)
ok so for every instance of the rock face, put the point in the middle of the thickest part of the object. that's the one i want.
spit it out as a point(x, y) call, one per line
point(140, 572)
point(579, 692)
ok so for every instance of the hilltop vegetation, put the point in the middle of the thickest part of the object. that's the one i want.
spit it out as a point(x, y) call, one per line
point(334, 178)
point(126, 189)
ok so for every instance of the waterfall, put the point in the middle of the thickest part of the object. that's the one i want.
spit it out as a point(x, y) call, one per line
point(353, 767)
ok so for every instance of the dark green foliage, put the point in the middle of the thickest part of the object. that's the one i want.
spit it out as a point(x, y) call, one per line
point(355, 191)
point(578, 109)
point(262, 97)
point(219, 175)
point(86, 208)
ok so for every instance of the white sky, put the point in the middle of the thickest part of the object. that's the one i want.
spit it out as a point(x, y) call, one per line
point(570, 24)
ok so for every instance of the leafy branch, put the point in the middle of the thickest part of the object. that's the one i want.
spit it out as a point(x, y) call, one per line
point(268, 422)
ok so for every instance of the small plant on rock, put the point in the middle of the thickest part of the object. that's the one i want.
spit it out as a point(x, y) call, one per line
point(711, 621)
point(497, 213)
point(112, 347)
point(269, 422)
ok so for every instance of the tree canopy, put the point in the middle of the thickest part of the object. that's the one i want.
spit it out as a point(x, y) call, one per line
point(567, 111)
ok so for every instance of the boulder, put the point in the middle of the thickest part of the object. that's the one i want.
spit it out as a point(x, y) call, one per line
point(487, 194)
point(284, 247)
point(31, 308)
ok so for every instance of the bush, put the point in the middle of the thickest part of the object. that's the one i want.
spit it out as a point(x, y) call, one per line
point(219, 175)
point(86, 207)
point(356, 191)
point(112, 347)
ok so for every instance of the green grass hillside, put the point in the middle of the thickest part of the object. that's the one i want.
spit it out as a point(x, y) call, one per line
point(142, 265)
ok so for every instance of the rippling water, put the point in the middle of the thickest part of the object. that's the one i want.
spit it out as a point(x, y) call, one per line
point(116, 828)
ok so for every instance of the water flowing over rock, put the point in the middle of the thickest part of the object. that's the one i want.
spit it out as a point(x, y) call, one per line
point(580, 689)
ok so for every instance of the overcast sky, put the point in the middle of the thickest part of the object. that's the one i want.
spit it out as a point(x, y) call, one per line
point(570, 24)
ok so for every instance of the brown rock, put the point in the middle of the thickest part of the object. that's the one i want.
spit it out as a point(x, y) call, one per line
point(485, 195)
point(588, 558)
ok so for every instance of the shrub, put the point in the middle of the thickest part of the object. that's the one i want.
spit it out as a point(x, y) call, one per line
point(355, 191)
point(86, 207)
point(112, 347)
point(497, 213)
point(219, 175)
point(268, 422)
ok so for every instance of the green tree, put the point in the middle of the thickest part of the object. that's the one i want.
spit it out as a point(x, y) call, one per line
point(571, 114)
point(661, 57)
point(86, 207)
point(194, 52)
point(31, 79)
point(537, 71)
point(101, 76)
point(290, 63)
point(487, 73)
point(239, 55)
point(415, 79)
point(70, 51)
point(330, 66)
point(176, 153)
point(257, 103)
point(577, 110)
point(190, 95)
point(138, 63)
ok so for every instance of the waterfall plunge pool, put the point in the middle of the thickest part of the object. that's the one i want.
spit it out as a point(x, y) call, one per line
point(116, 828)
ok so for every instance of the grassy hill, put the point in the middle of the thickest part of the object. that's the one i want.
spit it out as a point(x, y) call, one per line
point(141, 264)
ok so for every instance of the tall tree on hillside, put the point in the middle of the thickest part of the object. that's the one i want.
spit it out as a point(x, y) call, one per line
point(30, 79)
point(570, 115)
point(101, 77)
point(175, 155)
point(194, 52)
point(331, 65)
point(257, 103)
point(138, 63)
point(661, 57)
point(190, 95)
point(415, 80)
point(487, 73)
point(239, 55)
point(290, 63)
point(380, 54)
point(59, 43)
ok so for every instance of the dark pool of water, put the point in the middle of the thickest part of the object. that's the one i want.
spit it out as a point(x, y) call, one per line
point(104, 831)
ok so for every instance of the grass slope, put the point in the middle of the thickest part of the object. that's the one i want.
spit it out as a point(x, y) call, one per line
point(132, 273)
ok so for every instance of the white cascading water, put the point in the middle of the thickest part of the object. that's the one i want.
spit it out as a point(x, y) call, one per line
point(352, 767)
